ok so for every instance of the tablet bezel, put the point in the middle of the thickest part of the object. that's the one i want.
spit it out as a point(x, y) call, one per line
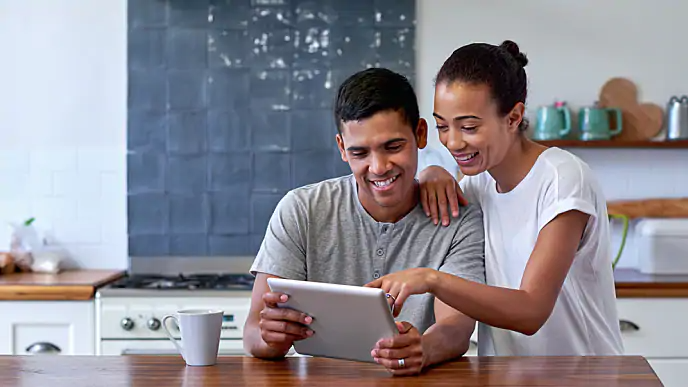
point(349, 331)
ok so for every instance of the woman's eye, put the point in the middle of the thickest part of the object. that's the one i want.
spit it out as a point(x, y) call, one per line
point(469, 128)
point(442, 127)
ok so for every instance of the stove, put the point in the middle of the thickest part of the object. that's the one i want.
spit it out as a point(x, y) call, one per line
point(199, 281)
point(129, 311)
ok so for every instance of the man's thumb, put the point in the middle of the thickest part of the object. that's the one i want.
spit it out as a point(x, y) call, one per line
point(403, 326)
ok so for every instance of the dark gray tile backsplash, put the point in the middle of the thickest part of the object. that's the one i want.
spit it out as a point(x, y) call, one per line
point(229, 107)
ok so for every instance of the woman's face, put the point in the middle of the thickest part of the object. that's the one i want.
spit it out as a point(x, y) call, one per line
point(470, 126)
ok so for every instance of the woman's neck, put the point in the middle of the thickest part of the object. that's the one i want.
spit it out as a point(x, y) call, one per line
point(517, 162)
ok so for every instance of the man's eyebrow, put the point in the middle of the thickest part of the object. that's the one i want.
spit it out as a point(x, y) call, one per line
point(387, 143)
point(459, 118)
point(392, 141)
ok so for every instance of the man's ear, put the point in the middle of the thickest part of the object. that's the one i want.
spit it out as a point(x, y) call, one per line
point(422, 133)
point(515, 116)
point(340, 146)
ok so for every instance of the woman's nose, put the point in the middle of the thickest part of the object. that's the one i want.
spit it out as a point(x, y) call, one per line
point(455, 140)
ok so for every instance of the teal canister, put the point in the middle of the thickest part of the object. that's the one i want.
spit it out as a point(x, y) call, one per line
point(553, 122)
point(595, 122)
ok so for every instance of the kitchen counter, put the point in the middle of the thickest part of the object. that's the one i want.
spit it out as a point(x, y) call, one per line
point(67, 285)
point(632, 283)
point(77, 371)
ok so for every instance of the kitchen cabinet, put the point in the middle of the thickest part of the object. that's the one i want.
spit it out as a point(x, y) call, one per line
point(47, 327)
point(656, 328)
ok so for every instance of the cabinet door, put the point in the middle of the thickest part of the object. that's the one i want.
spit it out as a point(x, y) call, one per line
point(672, 372)
point(47, 327)
point(654, 327)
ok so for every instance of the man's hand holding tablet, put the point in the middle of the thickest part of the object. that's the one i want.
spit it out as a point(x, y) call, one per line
point(280, 327)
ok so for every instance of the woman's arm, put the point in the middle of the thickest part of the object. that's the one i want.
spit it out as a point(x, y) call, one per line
point(524, 310)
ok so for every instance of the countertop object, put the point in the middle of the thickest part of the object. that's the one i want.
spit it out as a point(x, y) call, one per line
point(66, 285)
point(77, 371)
point(632, 283)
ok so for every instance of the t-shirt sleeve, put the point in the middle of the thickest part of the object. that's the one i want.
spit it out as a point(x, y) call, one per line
point(283, 250)
point(468, 187)
point(571, 189)
point(466, 257)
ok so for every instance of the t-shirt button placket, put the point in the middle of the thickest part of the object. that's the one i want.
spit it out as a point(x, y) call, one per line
point(380, 252)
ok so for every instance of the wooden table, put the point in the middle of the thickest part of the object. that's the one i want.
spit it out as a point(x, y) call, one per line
point(135, 371)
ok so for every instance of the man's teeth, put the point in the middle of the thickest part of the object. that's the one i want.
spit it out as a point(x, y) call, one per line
point(467, 157)
point(384, 183)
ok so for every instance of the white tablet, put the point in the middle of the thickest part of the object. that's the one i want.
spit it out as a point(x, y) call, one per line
point(347, 320)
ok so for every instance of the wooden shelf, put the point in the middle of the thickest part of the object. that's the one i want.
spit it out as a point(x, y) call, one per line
point(650, 208)
point(675, 144)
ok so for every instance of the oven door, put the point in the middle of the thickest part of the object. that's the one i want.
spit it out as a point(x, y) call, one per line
point(161, 347)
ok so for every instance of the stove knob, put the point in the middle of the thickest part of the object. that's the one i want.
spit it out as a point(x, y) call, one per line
point(127, 324)
point(154, 324)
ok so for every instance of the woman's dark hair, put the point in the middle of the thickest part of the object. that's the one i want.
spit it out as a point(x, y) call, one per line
point(500, 67)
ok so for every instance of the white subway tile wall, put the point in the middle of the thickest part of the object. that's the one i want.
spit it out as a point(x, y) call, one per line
point(76, 194)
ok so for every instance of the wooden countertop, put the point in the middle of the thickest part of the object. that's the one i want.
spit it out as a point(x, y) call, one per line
point(67, 285)
point(77, 371)
point(632, 283)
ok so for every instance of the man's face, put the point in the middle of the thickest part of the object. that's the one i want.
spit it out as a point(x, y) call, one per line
point(382, 152)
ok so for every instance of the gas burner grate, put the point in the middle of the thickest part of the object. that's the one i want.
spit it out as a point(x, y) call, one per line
point(186, 282)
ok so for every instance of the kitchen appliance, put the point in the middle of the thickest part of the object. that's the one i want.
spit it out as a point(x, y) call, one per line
point(662, 245)
point(129, 311)
point(595, 123)
point(553, 122)
point(677, 118)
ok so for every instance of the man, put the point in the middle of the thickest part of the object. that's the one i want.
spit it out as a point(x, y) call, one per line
point(353, 229)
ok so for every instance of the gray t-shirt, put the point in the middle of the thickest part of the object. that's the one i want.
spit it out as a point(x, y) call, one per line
point(321, 232)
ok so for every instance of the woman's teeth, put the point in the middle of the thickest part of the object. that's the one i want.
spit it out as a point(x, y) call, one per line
point(384, 183)
point(467, 157)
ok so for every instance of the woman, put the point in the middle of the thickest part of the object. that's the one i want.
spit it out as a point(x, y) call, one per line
point(550, 287)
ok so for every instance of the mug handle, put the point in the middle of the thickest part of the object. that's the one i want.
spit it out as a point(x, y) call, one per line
point(169, 335)
point(567, 121)
point(616, 130)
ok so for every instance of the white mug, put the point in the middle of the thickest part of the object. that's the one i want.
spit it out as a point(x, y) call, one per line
point(200, 333)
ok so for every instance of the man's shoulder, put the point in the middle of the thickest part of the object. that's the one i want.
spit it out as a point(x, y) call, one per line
point(470, 216)
point(320, 197)
point(329, 187)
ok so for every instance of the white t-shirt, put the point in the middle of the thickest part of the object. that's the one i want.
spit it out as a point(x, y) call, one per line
point(584, 320)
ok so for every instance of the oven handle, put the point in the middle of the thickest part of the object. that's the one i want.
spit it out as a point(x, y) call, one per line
point(173, 352)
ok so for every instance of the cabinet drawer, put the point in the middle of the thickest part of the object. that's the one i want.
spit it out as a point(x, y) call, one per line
point(654, 327)
point(47, 327)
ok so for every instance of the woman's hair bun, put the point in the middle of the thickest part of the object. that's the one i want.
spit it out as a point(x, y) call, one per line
point(512, 48)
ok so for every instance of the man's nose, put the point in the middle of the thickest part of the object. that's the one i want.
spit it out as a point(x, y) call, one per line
point(379, 165)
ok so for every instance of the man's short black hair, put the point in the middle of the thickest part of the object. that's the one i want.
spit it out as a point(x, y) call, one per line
point(374, 90)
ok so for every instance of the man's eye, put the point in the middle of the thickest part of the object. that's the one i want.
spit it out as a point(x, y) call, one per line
point(469, 128)
point(441, 127)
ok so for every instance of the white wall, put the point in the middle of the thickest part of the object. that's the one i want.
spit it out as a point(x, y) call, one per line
point(63, 98)
point(573, 48)
point(63, 124)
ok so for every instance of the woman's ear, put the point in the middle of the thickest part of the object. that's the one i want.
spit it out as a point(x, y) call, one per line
point(515, 116)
